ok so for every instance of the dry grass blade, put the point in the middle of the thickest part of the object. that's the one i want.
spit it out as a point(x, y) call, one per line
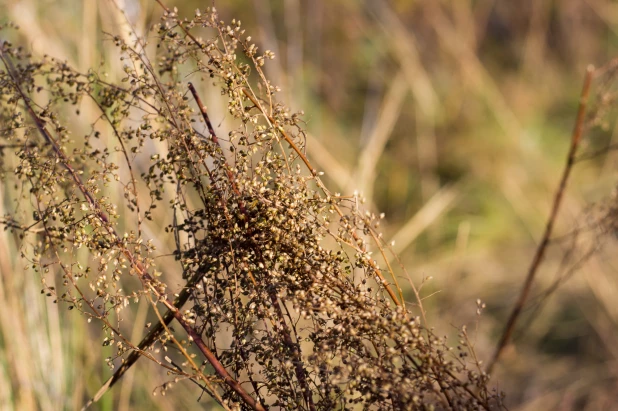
point(427, 215)
point(407, 53)
point(374, 147)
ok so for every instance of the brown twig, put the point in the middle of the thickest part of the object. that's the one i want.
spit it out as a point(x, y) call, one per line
point(542, 247)
point(213, 360)
point(204, 113)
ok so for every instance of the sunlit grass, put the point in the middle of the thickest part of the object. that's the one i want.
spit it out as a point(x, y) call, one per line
point(489, 105)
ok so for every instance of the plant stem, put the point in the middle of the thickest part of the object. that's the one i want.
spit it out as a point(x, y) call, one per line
point(542, 247)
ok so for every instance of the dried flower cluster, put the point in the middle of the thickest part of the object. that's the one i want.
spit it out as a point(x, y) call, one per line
point(283, 302)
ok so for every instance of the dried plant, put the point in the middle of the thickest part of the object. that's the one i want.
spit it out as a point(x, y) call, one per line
point(281, 301)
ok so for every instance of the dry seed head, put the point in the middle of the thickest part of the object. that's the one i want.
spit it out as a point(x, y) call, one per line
point(271, 259)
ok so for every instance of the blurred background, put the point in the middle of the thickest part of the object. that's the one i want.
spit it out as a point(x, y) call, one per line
point(451, 117)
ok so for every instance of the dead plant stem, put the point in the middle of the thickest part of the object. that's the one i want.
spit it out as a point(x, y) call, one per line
point(542, 247)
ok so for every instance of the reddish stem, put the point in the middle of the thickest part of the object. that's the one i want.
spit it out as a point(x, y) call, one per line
point(540, 251)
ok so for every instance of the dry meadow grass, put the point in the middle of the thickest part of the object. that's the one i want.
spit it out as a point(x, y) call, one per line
point(454, 118)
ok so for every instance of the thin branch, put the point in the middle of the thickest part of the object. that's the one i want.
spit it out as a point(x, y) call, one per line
point(540, 251)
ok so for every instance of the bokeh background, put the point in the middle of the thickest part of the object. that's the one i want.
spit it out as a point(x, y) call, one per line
point(451, 117)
